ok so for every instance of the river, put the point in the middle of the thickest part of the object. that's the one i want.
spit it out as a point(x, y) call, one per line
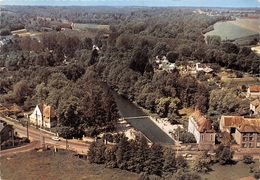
point(128, 110)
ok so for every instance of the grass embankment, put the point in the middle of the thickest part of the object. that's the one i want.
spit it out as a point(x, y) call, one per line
point(63, 165)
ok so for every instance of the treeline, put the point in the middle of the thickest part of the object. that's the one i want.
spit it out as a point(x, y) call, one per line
point(137, 156)
point(154, 161)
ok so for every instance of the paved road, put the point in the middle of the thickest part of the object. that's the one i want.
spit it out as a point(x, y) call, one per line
point(81, 147)
point(34, 136)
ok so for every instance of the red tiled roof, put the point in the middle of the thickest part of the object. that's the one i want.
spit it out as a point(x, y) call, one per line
point(248, 128)
point(241, 123)
point(204, 124)
point(233, 121)
point(254, 88)
point(47, 111)
point(200, 65)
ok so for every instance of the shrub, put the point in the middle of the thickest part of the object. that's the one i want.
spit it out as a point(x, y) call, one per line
point(248, 159)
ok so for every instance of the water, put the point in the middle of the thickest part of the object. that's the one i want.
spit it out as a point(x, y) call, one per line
point(144, 124)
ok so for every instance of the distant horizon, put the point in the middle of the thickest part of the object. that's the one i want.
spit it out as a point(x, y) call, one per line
point(143, 3)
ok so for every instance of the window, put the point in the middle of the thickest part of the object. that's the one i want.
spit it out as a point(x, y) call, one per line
point(245, 139)
point(250, 145)
point(202, 137)
point(251, 138)
point(258, 145)
point(244, 145)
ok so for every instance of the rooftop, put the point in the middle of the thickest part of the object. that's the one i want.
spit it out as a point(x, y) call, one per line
point(242, 124)
point(254, 88)
point(204, 124)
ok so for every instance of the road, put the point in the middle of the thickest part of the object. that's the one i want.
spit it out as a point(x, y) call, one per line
point(37, 142)
point(82, 147)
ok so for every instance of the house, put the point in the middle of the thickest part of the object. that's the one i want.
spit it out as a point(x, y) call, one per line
point(246, 131)
point(255, 107)
point(253, 91)
point(43, 116)
point(7, 131)
point(200, 66)
point(201, 127)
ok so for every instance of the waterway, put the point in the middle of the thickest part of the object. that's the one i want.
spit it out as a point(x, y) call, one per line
point(128, 110)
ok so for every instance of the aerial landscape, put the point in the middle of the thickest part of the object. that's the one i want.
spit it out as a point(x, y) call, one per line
point(140, 90)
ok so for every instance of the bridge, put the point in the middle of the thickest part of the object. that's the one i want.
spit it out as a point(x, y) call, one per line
point(149, 129)
point(136, 117)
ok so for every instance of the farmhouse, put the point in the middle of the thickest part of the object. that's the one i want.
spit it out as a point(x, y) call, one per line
point(201, 127)
point(245, 131)
point(255, 107)
point(6, 130)
point(253, 91)
point(43, 116)
point(200, 66)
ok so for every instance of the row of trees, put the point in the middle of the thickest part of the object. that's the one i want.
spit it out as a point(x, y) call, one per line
point(137, 156)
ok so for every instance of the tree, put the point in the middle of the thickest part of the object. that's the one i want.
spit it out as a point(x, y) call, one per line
point(123, 153)
point(213, 40)
point(169, 165)
point(185, 50)
point(96, 153)
point(69, 112)
point(94, 57)
point(248, 159)
point(87, 43)
point(161, 48)
point(110, 156)
point(5, 31)
point(202, 163)
point(21, 91)
point(172, 56)
point(181, 162)
point(139, 60)
point(111, 112)
point(187, 137)
point(141, 155)
point(224, 154)
point(74, 71)
point(154, 163)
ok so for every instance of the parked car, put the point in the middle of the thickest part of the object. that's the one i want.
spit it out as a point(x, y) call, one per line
point(186, 155)
point(55, 138)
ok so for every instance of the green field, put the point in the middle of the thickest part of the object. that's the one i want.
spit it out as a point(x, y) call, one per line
point(62, 165)
point(231, 30)
point(230, 172)
point(48, 165)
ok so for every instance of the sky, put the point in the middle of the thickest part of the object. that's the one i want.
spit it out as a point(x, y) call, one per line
point(192, 3)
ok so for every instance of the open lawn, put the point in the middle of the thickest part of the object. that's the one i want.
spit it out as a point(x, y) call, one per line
point(64, 165)
point(48, 165)
point(230, 172)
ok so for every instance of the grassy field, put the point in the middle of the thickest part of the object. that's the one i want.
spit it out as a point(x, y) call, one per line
point(48, 165)
point(235, 29)
point(228, 172)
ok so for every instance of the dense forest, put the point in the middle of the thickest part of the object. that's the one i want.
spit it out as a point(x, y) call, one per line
point(65, 70)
